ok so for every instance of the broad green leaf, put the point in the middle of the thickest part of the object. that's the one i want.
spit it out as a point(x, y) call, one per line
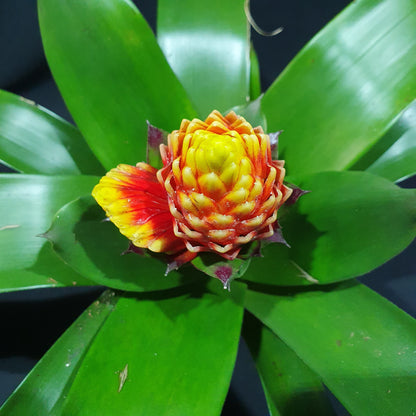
point(29, 203)
point(362, 346)
point(111, 74)
point(255, 82)
point(349, 224)
point(13, 280)
point(207, 44)
point(272, 408)
point(34, 140)
point(47, 271)
point(337, 98)
point(94, 248)
point(47, 384)
point(160, 356)
point(399, 161)
point(291, 387)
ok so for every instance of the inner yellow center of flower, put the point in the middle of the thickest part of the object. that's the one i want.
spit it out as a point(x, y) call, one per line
point(217, 152)
point(218, 161)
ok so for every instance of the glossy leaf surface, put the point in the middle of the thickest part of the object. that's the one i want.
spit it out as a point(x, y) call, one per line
point(398, 162)
point(161, 355)
point(44, 389)
point(292, 387)
point(339, 230)
point(346, 87)
point(34, 140)
point(362, 346)
point(94, 248)
point(207, 44)
point(47, 271)
point(255, 81)
point(29, 203)
point(112, 75)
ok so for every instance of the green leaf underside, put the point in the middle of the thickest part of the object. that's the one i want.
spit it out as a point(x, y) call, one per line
point(44, 389)
point(398, 161)
point(34, 140)
point(161, 356)
point(349, 224)
point(93, 248)
point(291, 388)
point(116, 81)
point(214, 33)
point(29, 203)
point(345, 87)
point(362, 346)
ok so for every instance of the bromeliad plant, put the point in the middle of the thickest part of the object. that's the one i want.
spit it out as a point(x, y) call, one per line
point(156, 344)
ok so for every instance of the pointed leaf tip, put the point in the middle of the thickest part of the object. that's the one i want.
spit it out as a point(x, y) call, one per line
point(223, 270)
point(155, 137)
point(277, 237)
point(174, 262)
point(133, 249)
point(274, 140)
point(295, 195)
point(224, 273)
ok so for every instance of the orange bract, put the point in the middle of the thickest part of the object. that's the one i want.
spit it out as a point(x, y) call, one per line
point(219, 189)
point(223, 187)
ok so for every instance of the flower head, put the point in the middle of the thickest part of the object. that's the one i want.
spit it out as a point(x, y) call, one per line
point(218, 190)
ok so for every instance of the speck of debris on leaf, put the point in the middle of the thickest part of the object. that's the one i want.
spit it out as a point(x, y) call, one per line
point(122, 376)
point(9, 227)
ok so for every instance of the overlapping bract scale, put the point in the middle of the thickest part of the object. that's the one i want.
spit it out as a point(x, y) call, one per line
point(222, 185)
point(218, 189)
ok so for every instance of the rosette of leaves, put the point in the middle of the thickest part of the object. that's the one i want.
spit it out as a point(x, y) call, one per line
point(156, 344)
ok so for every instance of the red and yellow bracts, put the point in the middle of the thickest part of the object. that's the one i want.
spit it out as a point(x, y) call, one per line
point(218, 190)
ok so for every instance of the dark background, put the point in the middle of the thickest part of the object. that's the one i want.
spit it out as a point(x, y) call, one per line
point(32, 320)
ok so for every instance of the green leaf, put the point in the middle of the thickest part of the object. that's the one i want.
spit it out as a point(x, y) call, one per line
point(34, 140)
point(362, 346)
point(29, 203)
point(111, 74)
point(47, 271)
point(255, 82)
point(47, 384)
point(207, 44)
point(161, 356)
point(399, 161)
point(291, 387)
point(337, 98)
point(349, 224)
point(94, 247)
point(13, 280)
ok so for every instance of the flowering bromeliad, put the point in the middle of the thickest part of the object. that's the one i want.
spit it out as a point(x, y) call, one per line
point(217, 190)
